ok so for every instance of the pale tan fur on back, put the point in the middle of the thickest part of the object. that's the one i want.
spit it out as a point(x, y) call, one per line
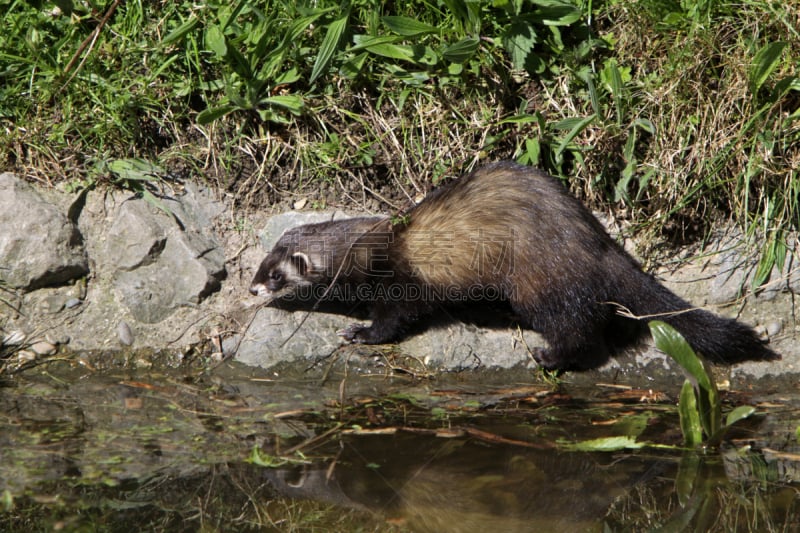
point(498, 226)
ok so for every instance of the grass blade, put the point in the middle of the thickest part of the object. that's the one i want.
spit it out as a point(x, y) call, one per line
point(407, 26)
point(764, 63)
point(329, 46)
point(576, 129)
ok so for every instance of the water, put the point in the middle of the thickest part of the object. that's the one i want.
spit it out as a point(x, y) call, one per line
point(236, 449)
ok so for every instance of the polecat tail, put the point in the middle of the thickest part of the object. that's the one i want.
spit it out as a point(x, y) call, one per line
point(717, 338)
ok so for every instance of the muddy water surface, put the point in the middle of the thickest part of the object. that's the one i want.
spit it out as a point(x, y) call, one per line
point(335, 449)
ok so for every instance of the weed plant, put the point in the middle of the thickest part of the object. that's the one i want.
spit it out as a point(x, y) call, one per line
point(672, 112)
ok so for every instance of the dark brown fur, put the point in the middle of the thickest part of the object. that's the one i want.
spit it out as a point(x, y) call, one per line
point(503, 232)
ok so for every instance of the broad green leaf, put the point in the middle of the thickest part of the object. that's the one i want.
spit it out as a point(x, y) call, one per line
point(621, 188)
point(214, 40)
point(362, 42)
point(383, 46)
point(518, 40)
point(292, 103)
point(392, 51)
point(352, 67)
point(329, 45)
point(181, 31)
point(290, 76)
point(407, 26)
point(556, 13)
point(780, 251)
point(689, 417)
point(605, 444)
point(740, 413)
point(568, 123)
point(783, 86)
point(532, 153)
point(239, 63)
point(300, 26)
point(686, 477)
point(213, 113)
point(709, 407)
point(587, 76)
point(672, 343)
point(646, 125)
point(764, 63)
point(135, 169)
point(461, 51)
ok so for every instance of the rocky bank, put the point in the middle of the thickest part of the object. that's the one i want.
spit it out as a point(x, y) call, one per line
point(106, 271)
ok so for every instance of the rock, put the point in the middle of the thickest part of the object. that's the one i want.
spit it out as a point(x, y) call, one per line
point(162, 262)
point(39, 245)
point(53, 303)
point(58, 340)
point(124, 333)
point(269, 339)
point(135, 239)
point(773, 327)
point(43, 348)
point(25, 356)
point(73, 302)
point(730, 280)
point(273, 338)
point(276, 225)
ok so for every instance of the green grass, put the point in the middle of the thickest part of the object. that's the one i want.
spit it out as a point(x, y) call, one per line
point(678, 112)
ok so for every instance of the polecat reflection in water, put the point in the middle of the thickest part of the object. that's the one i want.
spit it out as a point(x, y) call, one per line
point(504, 232)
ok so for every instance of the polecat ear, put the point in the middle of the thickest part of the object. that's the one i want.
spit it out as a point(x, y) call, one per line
point(301, 262)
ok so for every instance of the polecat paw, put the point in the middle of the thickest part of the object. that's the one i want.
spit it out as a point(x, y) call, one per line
point(350, 333)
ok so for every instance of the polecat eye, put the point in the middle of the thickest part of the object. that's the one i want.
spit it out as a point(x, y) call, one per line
point(276, 276)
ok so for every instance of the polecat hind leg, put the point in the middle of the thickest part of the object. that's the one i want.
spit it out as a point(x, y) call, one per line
point(568, 352)
point(575, 335)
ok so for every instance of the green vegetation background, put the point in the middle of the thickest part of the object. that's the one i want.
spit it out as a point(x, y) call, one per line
point(674, 112)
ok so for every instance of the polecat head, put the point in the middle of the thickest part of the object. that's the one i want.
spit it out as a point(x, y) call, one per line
point(310, 254)
point(281, 272)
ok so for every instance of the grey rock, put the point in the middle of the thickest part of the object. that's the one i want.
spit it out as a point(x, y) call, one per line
point(276, 225)
point(731, 279)
point(162, 262)
point(53, 303)
point(773, 327)
point(124, 333)
point(136, 237)
point(43, 348)
point(737, 268)
point(271, 337)
point(58, 340)
point(73, 302)
point(39, 245)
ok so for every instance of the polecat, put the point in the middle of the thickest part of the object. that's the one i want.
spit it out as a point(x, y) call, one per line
point(504, 232)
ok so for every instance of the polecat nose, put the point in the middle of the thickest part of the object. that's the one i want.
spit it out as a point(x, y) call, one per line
point(254, 290)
